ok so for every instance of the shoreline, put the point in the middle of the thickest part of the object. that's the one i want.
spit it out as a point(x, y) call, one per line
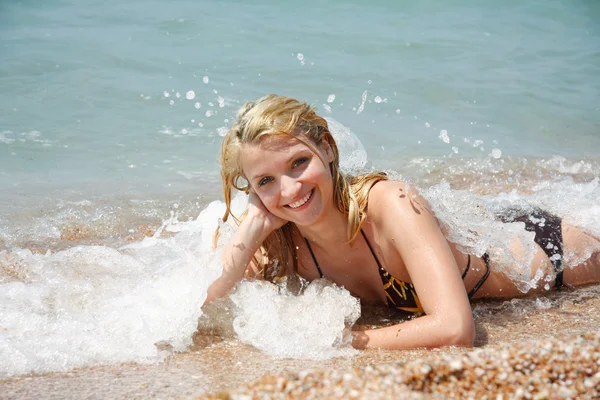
point(218, 367)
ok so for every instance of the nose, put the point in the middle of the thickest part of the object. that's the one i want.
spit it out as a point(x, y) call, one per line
point(290, 187)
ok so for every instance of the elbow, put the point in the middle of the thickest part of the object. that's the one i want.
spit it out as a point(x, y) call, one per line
point(462, 333)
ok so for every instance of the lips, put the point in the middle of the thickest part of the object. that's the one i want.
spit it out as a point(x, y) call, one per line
point(302, 201)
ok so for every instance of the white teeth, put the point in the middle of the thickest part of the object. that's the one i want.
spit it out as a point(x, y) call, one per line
point(301, 201)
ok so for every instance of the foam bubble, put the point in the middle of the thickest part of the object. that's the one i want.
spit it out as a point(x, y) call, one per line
point(190, 95)
point(496, 153)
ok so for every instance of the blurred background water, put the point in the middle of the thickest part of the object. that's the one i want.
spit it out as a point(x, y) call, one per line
point(133, 95)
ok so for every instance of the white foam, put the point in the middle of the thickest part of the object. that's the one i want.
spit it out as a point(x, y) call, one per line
point(470, 221)
point(353, 156)
point(311, 325)
point(94, 305)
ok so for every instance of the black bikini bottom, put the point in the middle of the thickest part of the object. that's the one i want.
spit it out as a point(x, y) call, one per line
point(548, 235)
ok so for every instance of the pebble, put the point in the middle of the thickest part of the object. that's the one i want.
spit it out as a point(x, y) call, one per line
point(530, 370)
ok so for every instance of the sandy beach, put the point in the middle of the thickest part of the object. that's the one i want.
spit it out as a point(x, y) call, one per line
point(546, 347)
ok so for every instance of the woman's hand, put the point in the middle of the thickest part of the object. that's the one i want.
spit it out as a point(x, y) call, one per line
point(257, 209)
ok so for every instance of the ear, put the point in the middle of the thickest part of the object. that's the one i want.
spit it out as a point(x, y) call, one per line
point(328, 150)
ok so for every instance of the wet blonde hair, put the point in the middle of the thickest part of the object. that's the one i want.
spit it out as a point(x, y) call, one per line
point(275, 115)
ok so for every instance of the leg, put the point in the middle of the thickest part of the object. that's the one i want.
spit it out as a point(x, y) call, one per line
point(582, 256)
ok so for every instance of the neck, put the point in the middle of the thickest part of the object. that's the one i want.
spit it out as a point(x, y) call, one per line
point(331, 230)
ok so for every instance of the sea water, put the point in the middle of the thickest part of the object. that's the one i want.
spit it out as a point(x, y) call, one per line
point(111, 118)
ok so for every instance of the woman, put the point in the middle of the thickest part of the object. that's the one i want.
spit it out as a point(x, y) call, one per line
point(377, 238)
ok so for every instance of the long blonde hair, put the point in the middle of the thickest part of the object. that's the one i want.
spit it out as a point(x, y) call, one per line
point(275, 115)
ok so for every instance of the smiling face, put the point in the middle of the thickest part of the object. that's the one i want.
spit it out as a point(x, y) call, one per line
point(292, 180)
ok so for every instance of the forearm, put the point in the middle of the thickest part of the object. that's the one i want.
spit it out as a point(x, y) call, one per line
point(428, 331)
point(237, 255)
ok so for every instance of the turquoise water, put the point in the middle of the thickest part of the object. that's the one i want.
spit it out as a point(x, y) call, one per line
point(83, 83)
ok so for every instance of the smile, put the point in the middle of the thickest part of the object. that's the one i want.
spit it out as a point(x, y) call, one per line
point(302, 201)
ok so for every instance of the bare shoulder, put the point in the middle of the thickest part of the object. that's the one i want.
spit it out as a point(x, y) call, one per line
point(396, 200)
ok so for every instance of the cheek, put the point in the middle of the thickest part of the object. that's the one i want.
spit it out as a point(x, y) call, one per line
point(267, 197)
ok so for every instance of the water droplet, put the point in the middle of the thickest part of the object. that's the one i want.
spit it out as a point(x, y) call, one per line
point(205, 79)
point(427, 124)
point(496, 153)
point(197, 105)
point(378, 99)
point(171, 102)
point(444, 136)
point(190, 95)
point(209, 113)
point(166, 94)
point(397, 111)
point(331, 98)
point(300, 56)
point(362, 104)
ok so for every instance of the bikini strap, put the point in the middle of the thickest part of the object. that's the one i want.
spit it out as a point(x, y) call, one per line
point(314, 258)
point(486, 260)
point(468, 266)
point(372, 251)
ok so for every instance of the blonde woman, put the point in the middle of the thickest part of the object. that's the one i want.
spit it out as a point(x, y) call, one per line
point(376, 237)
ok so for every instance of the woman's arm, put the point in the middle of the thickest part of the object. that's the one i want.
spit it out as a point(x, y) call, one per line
point(237, 255)
point(403, 219)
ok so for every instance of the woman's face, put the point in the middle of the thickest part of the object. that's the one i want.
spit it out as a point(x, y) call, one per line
point(290, 178)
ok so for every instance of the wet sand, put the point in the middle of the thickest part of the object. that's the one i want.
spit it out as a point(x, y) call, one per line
point(534, 345)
